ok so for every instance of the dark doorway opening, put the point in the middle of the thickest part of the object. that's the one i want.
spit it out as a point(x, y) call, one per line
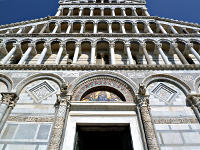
point(103, 138)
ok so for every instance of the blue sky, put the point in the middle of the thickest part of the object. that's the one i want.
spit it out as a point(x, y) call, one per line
point(12, 11)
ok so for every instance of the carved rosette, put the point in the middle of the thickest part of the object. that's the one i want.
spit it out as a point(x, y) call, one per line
point(9, 99)
point(143, 103)
point(63, 106)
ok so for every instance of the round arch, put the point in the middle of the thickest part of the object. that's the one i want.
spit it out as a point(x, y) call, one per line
point(170, 79)
point(196, 84)
point(47, 76)
point(7, 81)
point(128, 86)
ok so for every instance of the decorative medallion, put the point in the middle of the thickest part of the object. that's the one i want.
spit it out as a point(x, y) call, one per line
point(164, 93)
point(101, 96)
point(41, 91)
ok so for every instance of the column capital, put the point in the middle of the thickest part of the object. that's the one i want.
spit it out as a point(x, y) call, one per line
point(9, 98)
point(194, 99)
point(127, 44)
point(175, 45)
point(61, 44)
point(158, 45)
point(60, 8)
point(77, 44)
point(31, 44)
point(93, 45)
point(46, 44)
point(111, 45)
point(143, 45)
point(190, 45)
point(134, 23)
point(15, 44)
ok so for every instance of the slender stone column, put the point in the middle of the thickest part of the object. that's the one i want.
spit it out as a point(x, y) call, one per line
point(69, 28)
point(136, 28)
point(149, 28)
point(113, 12)
point(80, 11)
point(110, 27)
point(82, 27)
point(43, 28)
point(32, 29)
point(56, 27)
point(173, 30)
point(180, 55)
point(77, 49)
point(20, 31)
point(112, 53)
point(102, 11)
point(70, 12)
point(8, 56)
point(128, 50)
point(123, 28)
point(91, 11)
point(95, 28)
point(8, 102)
point(161, 28)
point(193, 51)
point(143, 46)
point(164, 57)
point(194, 101)
point(42, 55)
point(26, 54)
point(143, 105)
point(60, 51)
point(93, 52)
point(63, 108)
point(123, 11)
point(59, 12)
point(146, 12)
point(134, 12)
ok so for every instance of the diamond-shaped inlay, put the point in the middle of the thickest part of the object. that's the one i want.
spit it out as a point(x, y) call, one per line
point(41, 91)
point(164, 93)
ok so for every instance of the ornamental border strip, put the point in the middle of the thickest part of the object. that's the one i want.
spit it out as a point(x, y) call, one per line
point(133, 17)
point(98, 35)
point(99, 67)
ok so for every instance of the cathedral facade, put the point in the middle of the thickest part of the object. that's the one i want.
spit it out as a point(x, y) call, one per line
point(100, 75)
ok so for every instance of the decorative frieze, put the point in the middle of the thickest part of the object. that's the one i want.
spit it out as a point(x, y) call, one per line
point(183, 120)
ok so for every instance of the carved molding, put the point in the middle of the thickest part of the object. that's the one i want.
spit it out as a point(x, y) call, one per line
point(103, 81)
point(99, 67)
point(175, 120)
point(100, 17)
point(38, 35)
point(31, 118)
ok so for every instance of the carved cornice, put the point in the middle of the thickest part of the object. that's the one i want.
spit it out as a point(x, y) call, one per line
point(100, 67)
point(128, 35)
point(100, 17)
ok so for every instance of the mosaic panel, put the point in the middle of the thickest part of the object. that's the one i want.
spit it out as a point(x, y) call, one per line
point(101, 96)
point(41, 91)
